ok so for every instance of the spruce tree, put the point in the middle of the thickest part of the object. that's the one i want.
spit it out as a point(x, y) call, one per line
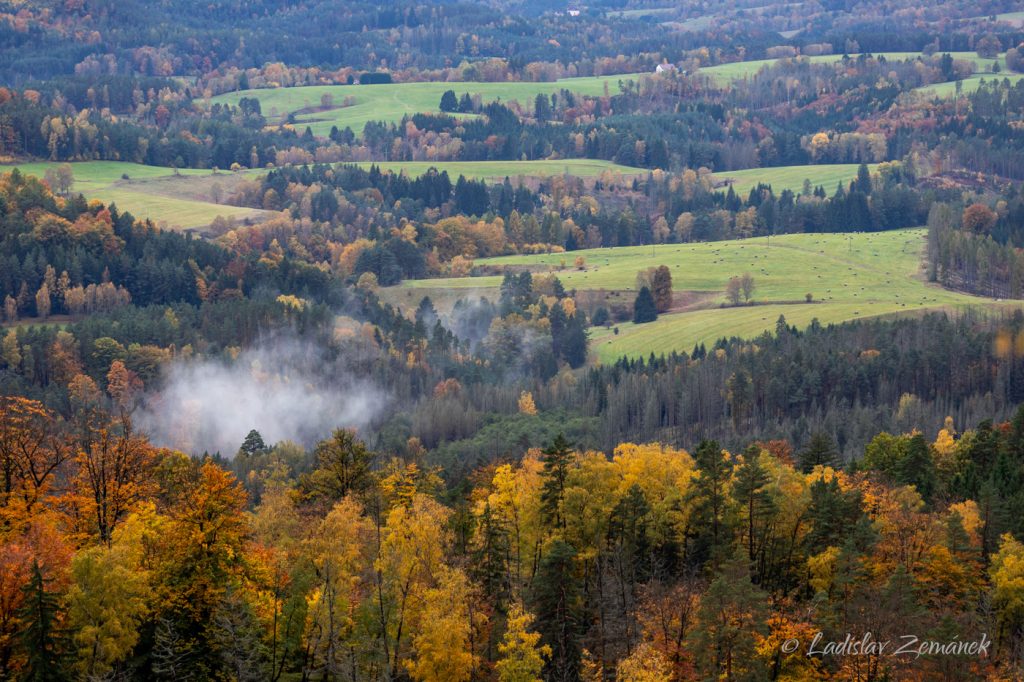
point(917, 468)
point(820, 450)
point(756, 503)
point(449, 102)
point(557, 459)
point(644, 309)
point(557, 603)
point(41, 637)
point(712, 518)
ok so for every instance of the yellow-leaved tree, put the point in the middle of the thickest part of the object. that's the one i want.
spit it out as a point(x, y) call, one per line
point(522, 655)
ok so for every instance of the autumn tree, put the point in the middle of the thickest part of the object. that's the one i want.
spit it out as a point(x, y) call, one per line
point(734, 290)
point(202, 555)
point(109, 598)
point(522, 655)
point(747, 285)
point(659, 281)
point(979, 218)
point(1007, 575)
point(339, 551)
point(31, 452)
point(115, 472)
point(408, 563)
point(645, 664)
point(444, 629)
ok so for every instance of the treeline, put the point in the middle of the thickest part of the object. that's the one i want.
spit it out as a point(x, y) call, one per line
point(847, 381)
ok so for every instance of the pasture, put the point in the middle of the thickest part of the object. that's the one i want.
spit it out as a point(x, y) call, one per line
point(967, 85)
point(497, 170)
point(850, 276)
point(791, 177)
point(723, 74)
point(390, 102)
point(181, 200)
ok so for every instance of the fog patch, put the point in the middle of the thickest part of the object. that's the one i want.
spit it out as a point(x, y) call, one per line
point(285, 389)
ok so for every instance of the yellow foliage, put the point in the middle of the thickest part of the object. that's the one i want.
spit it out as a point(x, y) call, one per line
point(645, 664)
point(822, 568)
point(526, 404)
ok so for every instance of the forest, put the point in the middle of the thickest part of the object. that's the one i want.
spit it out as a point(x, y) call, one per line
point(511, 341)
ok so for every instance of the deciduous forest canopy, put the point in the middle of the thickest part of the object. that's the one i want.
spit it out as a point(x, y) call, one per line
point(510, 340)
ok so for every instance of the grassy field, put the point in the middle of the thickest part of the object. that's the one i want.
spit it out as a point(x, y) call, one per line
point(851, 276)
point(476, 170)
point(178, 201)
point(393, 101)
point(1015, 18)
point(725, 73)
point(791, 177)
point(968, 85)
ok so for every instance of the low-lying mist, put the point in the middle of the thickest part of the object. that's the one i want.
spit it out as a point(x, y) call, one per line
point(284, 388)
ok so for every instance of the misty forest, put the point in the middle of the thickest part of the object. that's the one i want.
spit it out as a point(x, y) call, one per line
point(511, 341)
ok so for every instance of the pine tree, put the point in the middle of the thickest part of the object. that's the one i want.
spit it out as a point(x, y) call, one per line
point(253, 444)
point(644, 309)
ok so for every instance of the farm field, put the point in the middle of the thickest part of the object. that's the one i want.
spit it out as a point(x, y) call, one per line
point(791, 177)
point(390, 102)
point(968, 85)
point(476, 170)
point(1015, 18)
point(850, 276)
point(179, 201)
point(724, 73)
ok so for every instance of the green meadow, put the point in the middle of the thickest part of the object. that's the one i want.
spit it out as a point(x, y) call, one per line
point(967, 85)
point(490, 170)
point(792, 177)
point(850, 276)
point(390, 102)
point(725, 73)
point(179, 200)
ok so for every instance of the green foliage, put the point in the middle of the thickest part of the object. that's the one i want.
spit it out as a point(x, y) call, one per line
point(42, 637)
point(557, 604)
point(644, 308)
point(820, 451)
